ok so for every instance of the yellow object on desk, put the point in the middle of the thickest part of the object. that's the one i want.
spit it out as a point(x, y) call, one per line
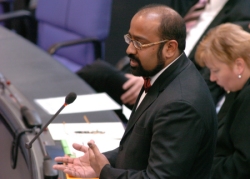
point(71, 177)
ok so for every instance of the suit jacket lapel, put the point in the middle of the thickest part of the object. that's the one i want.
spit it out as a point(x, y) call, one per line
point(148, 99)
point(136, 103)
point(159, 85)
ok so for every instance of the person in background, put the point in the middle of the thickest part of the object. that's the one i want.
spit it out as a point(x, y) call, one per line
point(225, 51)
point(119, 83)
point(172, 130)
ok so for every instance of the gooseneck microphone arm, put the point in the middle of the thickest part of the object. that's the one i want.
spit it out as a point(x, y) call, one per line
point(29, 144)
point(70, 98)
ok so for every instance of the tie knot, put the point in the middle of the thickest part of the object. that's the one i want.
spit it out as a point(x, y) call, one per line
point(146, 84)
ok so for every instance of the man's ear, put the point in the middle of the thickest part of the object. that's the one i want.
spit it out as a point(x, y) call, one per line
point(170, 48)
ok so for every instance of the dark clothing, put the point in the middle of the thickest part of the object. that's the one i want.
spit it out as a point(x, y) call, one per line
point(172, 133)
point(142, 150)
point(103, 77)
point(235, 11)
point(232, 156)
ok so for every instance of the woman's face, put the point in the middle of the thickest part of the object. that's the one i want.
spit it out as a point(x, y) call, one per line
point(224, 75)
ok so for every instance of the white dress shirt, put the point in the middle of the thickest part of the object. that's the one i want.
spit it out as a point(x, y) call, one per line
point(153, 79)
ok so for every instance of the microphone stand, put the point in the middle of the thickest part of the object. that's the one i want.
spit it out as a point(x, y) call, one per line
point(28, 145)
point(68, 100)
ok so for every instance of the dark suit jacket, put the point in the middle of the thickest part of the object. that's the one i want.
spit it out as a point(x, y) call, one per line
point(234, 11)
point(103, 78)
point(232, 157)
point(172, 133)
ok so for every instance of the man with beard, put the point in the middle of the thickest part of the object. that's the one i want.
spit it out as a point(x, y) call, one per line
point(172, 130)
point(117, 80)
point(124, 87)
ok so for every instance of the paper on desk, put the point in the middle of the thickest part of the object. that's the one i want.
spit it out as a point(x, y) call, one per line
point(83, 103)
point(107, 136)
point(126, 111)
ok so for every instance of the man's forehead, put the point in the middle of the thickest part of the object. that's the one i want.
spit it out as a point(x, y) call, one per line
point(151, 20)
point(147, 16)
point(144, 30)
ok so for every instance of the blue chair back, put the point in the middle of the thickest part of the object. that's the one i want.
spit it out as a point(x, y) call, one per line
point(65, 20)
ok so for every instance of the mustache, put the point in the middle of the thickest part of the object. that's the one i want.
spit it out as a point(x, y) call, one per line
point(131, 56)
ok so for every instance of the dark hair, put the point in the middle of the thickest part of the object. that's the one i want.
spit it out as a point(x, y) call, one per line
point(172, 25)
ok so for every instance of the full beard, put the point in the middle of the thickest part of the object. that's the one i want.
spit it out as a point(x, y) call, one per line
point(140, 71)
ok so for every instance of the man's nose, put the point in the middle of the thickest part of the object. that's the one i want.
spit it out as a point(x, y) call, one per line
point(131, 48)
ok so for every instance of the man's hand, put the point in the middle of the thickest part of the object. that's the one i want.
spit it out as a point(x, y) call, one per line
point(132, 87)
point(97, 159)
point(77, 167)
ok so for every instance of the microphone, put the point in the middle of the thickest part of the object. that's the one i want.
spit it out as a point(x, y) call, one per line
point(70, 98)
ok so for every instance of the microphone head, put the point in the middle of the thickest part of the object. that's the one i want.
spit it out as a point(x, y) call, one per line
point(70, 98)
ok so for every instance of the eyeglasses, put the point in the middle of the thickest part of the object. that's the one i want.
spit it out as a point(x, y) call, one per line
point(138, 45)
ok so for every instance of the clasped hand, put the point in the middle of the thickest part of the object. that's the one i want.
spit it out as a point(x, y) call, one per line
point(87, 166)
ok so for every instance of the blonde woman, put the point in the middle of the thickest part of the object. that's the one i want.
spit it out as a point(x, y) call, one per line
point(225, 51)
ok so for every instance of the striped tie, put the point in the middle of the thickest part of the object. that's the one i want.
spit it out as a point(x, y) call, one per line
point(194, 13)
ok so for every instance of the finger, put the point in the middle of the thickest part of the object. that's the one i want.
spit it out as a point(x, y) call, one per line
point(64, 160)
point(130, 101)
point(136, 82)
point(127, 85)
point(93, 162)
point(91, 155)
point(127, 98)
point(130, 82)
point(128, 75)
point(124, 97)
point(59, 167)
point(132, 91)
point(94, 148)
point(92, 159)
point(80, 147)
point(130, 96)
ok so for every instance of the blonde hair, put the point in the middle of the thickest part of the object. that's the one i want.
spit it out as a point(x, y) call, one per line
point(224, 43)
